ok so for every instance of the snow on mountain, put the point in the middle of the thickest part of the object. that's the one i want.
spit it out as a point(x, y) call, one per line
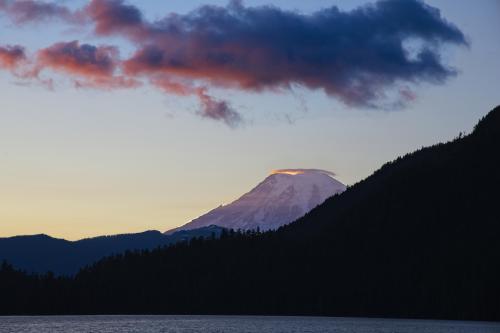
point(283, 197)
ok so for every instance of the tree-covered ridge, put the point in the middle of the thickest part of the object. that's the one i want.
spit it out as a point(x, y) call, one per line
point(42, 253)
point(418, 238)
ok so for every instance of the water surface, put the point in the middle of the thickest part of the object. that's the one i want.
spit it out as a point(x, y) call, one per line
point(234, 324)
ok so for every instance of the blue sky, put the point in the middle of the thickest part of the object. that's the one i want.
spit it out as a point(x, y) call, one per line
point(84, 162)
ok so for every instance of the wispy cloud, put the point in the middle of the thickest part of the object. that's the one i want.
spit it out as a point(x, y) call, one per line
point(28, 11)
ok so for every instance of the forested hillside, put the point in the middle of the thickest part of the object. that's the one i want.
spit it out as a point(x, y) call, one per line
point(42, 253)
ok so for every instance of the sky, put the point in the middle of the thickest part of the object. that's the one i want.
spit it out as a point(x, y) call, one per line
point(126, 116)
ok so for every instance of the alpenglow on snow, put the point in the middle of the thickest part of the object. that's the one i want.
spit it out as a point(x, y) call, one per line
point(283, 197)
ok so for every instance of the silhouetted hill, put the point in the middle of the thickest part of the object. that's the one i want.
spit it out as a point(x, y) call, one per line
point(418, 238)
point(42, 253)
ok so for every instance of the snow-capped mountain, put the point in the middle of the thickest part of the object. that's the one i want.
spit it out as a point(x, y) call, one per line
point(281, 198)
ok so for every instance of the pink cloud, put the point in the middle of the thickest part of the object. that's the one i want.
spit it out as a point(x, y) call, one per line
point(93, 66)
point(11, 56)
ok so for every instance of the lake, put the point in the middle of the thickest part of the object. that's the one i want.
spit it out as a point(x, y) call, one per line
point(235, 324)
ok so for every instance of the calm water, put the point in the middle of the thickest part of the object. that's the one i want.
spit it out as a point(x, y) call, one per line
point(215, 324)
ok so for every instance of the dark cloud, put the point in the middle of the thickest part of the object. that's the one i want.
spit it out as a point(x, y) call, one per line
point(363, 57)
point(355, 56)
point(114, 16)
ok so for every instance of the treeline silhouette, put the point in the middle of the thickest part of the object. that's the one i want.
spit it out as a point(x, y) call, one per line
point(42, 253)
point(419, 238)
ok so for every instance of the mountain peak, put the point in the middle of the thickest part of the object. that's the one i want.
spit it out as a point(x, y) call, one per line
point(281, 198)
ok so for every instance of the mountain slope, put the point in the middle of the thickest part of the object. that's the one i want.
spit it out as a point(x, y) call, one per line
point(418, 238)
point(42, 253)
point(281, 198)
